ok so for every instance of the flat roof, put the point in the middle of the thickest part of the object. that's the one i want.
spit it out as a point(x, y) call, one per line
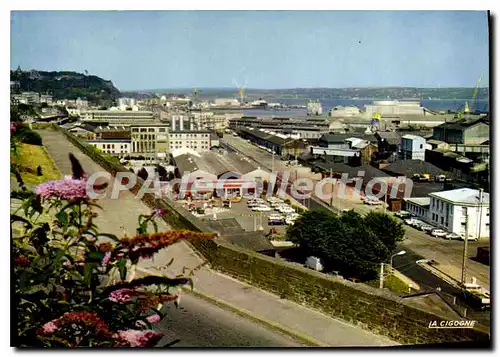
point(463, 195)
point(420, 201)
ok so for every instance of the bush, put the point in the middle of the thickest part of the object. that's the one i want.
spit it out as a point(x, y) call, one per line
point(64, 273)
point(27, 136)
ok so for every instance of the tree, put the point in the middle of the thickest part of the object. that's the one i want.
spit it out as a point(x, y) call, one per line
point(343, 243)
point(386, 228)
point(143, 173)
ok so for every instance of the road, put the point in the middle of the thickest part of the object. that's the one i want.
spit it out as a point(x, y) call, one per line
point(197, 323)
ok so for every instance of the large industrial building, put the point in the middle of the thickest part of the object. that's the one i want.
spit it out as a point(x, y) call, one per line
point(304, 127)
point(117, 117)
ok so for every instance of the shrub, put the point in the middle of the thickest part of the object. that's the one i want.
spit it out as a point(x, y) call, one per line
point(65, 289)
point(28, 136)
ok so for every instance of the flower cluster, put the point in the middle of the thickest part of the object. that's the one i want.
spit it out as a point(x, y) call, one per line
point(122, 296)
point(12, 127)
point(89, 320)
point(22, 261)
point(65, 189)
point(154, 301)
point(151, 319)
point(138, 338)
point(145, 245)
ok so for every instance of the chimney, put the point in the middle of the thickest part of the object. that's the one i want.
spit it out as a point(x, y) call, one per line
point(182, 123)
point(173, 122)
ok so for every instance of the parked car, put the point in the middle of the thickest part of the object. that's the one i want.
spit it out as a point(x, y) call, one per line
point(438, 233)
point(261, 208)
point(453, 235)
point(275, 219)
point(427, 228)
point(403, 214)
point(470, 237)
point(287, 210)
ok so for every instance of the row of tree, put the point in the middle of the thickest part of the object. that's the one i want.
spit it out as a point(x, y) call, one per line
point(349, 243)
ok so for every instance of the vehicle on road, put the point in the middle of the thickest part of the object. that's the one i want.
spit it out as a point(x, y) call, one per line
point(275, 220)
point(453, 235)
point(427, 228)
point(403, 214)
point(261, 208)
point(470, 237)
point(414, 222)
point(438, 233)
point(287, 210)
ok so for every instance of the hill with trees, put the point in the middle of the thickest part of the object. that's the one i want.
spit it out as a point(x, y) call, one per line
point(66, 85)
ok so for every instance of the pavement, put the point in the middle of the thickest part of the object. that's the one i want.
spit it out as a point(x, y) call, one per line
point(120, 216)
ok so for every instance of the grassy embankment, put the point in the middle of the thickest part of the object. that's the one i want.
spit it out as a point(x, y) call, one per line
point(28, 158)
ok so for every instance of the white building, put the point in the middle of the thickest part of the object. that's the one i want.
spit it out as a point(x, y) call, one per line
point(448, 210)
point(393, 107)
point(340, 111)
point(314, 108)
point(419, 207)
point(152, 139)
point(229, 102)
point(45, 98)
point(120, 147)
point(413, 147)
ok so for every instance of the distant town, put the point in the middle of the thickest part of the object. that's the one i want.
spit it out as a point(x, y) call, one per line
point(248, 136)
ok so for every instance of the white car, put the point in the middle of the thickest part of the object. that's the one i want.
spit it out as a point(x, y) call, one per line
point(427, 228)
point(470, 237)
point(453, 236)
point(261, 208)
point(438, 233)
point(287, 210)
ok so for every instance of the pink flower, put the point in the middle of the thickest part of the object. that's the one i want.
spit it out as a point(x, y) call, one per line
point(66, 189)
point(50, 327)
point(12, 127)
point(153, 318)
point(122, 296)
point(106, 259)
point(67, 264)
point(137, 338)
point(159, 212)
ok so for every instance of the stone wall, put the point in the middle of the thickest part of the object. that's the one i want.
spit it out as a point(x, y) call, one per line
point(378, 311)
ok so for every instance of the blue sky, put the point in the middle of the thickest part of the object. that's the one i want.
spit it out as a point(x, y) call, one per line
point(262, 49)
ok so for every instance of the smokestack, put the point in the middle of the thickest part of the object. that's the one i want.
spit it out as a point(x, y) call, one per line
point(182, 122)
point(173, 122)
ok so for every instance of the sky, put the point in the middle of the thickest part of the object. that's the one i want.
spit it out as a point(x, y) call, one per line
point(141, 50)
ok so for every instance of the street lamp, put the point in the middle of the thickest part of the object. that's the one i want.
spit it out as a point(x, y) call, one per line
point(402, 252)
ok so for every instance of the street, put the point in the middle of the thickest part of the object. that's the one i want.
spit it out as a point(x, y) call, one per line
point(197, 323)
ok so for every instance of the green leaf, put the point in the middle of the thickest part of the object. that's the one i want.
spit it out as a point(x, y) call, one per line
point(63, 218)
point(122, 267)
point(155, 225)
point(87, 272)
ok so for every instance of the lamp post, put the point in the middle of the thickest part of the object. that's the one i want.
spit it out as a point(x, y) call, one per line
point(402, 252)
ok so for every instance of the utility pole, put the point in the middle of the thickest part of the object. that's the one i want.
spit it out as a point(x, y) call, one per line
point(466, 241)
point(381, 275)
point(272, 170)
point(480, 211)
point(331, 176)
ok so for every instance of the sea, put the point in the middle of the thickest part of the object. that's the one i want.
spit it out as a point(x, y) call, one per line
point(433, 104)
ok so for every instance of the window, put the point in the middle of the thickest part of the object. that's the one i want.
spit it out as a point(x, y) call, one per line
point(109, 146)
point(135, 130)
point(421, 146)
point(442, 220)
point(151, 130)
point(143, 130)
point(162, 130)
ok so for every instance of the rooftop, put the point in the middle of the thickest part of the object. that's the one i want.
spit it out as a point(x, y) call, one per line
point(420, 201)
point(337, 138)
point(391, 137)
point(411, 167)
point(464, 123)
point(214, 163)
point(412, 137)
point(463, 195)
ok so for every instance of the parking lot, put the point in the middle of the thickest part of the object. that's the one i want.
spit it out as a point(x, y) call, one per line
point(248, 219)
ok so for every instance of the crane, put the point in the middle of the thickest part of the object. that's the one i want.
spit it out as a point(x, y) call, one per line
point(195, 94)
point(467, 109)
